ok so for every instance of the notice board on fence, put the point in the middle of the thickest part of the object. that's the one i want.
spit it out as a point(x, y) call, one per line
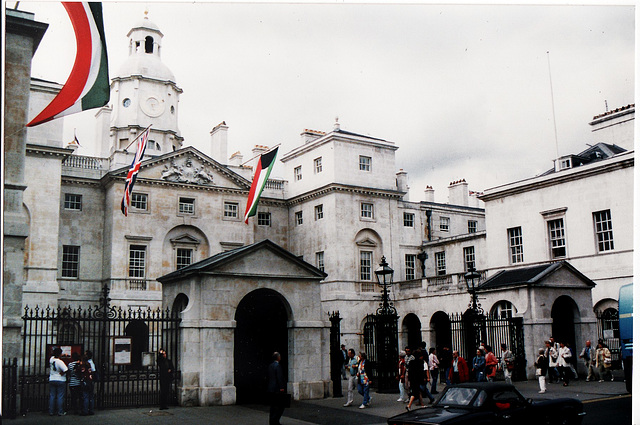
point(121, 349)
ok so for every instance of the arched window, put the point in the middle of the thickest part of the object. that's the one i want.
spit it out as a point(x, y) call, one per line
point(148, 44)
point(503, 310)
point(609, 323)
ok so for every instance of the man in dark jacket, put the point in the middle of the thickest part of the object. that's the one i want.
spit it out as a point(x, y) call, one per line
point(165, 368)
point(276, 387)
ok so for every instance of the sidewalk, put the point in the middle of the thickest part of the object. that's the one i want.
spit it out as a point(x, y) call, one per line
point(309, 412)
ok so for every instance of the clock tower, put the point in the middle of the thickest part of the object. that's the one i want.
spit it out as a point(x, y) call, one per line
point(143, 92)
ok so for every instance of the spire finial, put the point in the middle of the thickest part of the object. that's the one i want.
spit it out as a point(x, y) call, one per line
point(146, 12)
point(336, 126)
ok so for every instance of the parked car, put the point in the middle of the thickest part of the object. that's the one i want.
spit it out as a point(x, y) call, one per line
point(492, 403)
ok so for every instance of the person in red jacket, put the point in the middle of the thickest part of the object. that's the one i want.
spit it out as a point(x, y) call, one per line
point(491, 364)
point(459, 371)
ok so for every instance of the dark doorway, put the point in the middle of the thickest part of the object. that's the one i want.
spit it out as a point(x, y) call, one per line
point(261, 329)
point(441, 324)
point(563, 313)
point(411, 326)
point(139, 333)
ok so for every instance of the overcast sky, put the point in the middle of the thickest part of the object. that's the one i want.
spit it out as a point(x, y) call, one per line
point(462, 90)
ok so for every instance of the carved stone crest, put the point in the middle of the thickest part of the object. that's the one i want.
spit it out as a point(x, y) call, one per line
point(185, 171)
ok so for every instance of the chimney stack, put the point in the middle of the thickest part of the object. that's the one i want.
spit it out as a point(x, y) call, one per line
point(429, 194)
point(219, 143)
point(459, 193)
point(309, 136)
point(402, 183)
point(236, 159)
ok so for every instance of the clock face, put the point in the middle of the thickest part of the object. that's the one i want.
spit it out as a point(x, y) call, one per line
point(153, 107)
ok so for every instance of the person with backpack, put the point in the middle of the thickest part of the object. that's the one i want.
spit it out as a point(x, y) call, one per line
point(75, 388)
point(95, 377)
point(57, 383)
point(86, 383)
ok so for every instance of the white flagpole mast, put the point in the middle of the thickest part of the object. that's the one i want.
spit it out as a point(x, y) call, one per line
point(553, 108)
point(138, 136)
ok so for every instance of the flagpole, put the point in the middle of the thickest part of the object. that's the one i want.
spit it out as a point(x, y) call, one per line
point(138, 136)
point(260, 154)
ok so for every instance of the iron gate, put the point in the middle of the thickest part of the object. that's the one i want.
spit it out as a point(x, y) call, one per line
point(467, 330)
point(95, 329)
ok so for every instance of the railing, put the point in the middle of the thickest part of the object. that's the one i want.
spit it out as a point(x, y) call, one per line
point(445, 280)
point(129, 284)
point(9, 388)
point(85, 162)
point(137, 284)
point(274, 184)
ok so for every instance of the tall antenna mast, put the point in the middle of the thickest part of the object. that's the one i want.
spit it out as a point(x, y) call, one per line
point(553, 108)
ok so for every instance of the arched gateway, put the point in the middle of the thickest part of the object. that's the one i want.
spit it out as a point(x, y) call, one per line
point(237, 315)
point(261, 329)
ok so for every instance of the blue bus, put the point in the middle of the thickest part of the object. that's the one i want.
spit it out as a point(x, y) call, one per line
point(625, 315)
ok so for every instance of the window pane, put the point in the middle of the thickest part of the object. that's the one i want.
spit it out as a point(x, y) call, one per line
point(410, 266)
point(515, 245)
point(184, 257)
point(408, 219)
point(365, 265)
point(72, 202)
point(366, 210)
point(556, 238)
point(365, 163)
point(444, 224)
point(472, 226)
point(441, 265)
point(186, 206)
point(70, 260)
point(469, 258)
point(139, 201)
point(298, 216)
point(604, 230)
point(137, 260)
point(317, 164)
point(297, 173)
point(264, 219)
point(230, 210)
point(320, 260)
point(319, 212)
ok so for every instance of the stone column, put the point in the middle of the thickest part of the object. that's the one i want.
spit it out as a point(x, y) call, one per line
point(309, 368)
point(23, 34)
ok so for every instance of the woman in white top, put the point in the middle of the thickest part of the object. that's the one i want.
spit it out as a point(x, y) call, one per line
point(564, 357)
point(57, 383)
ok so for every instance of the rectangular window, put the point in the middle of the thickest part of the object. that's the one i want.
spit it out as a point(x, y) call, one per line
point(72, 201)
point(365, 163)
point(320, 260)
point(604, 230)
point(264, 218)
point(444, 224)
point(441, 264)
point(298, 218)
point(469, 253)
point(319, 214)
point(139, 201)
point(365, 265)
point(366, 210)
point(408, 219)
point(187, 206)
point(70, 260)
point(556, 238)
point(317, 165)
point(184, 257)
point(472, 226)
point(137, 261)
point(297, 173)
point(516, 249)
point(410, 266)
point(230, 210)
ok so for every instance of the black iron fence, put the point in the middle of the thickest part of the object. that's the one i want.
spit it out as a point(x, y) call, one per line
point(9, 387)
point(124, 345)
point(468, 330)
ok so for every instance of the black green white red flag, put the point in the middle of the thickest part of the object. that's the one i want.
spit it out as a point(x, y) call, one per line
point(263, 169)
point(88, 84)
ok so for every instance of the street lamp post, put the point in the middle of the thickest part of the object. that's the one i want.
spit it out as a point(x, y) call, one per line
point(386, 333)
point(472, 279)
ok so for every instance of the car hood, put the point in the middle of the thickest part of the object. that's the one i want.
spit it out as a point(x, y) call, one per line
point(430, 415)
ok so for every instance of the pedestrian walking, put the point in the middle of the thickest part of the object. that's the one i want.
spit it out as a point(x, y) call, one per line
point(417, 378)
point(95, 377)
point(401, 378)
point(352, 372)
point(276, 388)
point(165, 375)
point(434, 368)
point(506, 362)
point(57, 383)
point(364, 380)
point(541, 364)
point(478, 365)
point(564, 359)
point(459, 370)
point(445, 362)
point(75, 389)
point(588, 356)
point(491, 364)
point(551, 353)
point(83, 370)
point(345, 359)
point(603, 361)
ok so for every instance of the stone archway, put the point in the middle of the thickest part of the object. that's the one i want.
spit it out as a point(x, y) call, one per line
point(411, 327)
point(565, 315)
point(261, 328)
point(441, 327)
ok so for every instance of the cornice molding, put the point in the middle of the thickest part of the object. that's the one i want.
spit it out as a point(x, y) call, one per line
point(336, 187)
point(42, 150)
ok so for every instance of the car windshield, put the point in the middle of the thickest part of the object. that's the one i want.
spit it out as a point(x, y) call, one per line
point(456, 396)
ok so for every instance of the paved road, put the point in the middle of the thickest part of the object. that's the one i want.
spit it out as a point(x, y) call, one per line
point(605, 402)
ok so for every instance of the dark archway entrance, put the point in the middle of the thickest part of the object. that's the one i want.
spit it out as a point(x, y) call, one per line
point(563, 314)
point(261, 329)
point(441, 325)
point(139, 333)
point(412, 327)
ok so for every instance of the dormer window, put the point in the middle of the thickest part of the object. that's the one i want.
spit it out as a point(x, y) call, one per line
point(148, 44)
point(565, 163)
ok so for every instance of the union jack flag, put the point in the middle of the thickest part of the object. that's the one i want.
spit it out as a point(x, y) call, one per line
point(133, 171)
